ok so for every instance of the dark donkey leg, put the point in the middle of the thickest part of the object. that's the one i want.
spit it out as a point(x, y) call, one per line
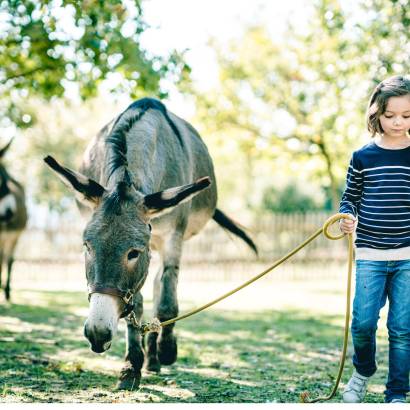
point(1, 265)
point(134, 357)
point(162, 348)
point(167, 307)
point(10, 262)
point(8, 255)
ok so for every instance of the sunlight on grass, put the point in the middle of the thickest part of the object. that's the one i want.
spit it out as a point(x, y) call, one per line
point(376, 388)
point(79, 311)
point(208, 372)
point(19, 326)
point(89, 360)
point(171, 391)
point(211, 336)
point(266, 344)
point(14, 325)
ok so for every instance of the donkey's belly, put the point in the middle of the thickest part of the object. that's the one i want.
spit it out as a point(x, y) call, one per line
point(196, 222)
point(163, 230)
point(8, 240)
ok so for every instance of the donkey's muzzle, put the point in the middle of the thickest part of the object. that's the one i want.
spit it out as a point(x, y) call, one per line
point(100, 341)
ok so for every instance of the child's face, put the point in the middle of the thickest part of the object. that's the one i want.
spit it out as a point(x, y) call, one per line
point(395, 121)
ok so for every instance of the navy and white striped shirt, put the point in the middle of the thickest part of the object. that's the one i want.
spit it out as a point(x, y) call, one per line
point(378, 193)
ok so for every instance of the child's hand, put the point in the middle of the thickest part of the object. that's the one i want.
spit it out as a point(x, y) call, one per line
point(348, 225)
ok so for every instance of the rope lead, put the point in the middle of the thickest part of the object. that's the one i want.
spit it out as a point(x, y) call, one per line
point(155, 325)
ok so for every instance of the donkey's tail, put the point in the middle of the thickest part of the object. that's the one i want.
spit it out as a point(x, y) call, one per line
point(227, 223)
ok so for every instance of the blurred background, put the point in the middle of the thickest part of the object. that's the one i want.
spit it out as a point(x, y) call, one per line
point(277, 90)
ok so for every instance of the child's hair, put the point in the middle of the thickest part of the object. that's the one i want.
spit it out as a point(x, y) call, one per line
point(391, 87)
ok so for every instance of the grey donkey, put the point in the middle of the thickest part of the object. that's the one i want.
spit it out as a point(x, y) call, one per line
point(148, 182)
point(13, 218)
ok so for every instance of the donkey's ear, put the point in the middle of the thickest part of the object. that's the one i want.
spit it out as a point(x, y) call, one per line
point(86, 190)
point(5, 148)
point(164, 201)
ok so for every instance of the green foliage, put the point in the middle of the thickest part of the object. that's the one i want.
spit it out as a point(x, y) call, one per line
point(385, 37)
point(48, 46)
point(300, 102)
point(282, 108)
point(51, 50)
point(63, 129)
point(289, 199)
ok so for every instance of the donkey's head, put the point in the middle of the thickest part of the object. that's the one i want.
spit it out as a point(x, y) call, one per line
point(116, 244)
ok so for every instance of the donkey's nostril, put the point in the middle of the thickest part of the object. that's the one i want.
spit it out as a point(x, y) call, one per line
point(100, 340)
point(106, 336)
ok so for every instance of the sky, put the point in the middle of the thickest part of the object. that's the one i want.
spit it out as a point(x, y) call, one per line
point(190, 24)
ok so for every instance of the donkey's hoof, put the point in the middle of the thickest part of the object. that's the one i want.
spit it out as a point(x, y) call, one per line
point(153, 365)
point(129, 380)
point(167, 350)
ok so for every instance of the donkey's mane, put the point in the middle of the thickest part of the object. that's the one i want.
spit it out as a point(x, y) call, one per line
point(117, 149)
point(117, 198)
point(116, 141)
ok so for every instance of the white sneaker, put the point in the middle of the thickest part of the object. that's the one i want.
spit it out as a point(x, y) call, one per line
point(398, 401)
point(355, 389)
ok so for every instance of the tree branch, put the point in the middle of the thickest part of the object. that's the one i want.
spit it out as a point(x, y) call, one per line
point(27, 73)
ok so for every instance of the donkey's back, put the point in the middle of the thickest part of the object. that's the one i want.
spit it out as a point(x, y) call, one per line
point(162, 150)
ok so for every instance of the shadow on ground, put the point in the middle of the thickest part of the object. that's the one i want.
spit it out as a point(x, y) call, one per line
point(224, 356)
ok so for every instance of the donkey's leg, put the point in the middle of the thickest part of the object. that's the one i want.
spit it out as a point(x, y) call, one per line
point(8, 255)
point(167, 307)
point(1, 265)
point(134, 356)
point(152, 363)
point(10, 262)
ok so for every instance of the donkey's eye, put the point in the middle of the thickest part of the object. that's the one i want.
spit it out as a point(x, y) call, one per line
point(133, 254)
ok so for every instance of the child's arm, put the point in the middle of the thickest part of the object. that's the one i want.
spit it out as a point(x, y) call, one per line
point(351, 197)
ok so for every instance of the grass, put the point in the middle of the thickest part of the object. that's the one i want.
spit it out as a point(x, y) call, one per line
point(238, 352)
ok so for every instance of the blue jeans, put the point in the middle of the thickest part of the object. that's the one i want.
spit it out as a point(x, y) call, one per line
point(375, 282)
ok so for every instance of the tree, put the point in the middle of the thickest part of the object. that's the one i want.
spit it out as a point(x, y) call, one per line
point(301, 100)
point(62, 129)
point(292, 198)
point(385, 37)
point(49, 46)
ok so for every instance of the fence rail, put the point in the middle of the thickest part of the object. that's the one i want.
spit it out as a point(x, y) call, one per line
point(52, 258)
point(275, 235)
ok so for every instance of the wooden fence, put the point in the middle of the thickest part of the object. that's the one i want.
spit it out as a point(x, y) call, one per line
point(53, 257)
point(275, 235)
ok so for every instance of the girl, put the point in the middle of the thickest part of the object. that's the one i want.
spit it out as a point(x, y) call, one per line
point(377, 197)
